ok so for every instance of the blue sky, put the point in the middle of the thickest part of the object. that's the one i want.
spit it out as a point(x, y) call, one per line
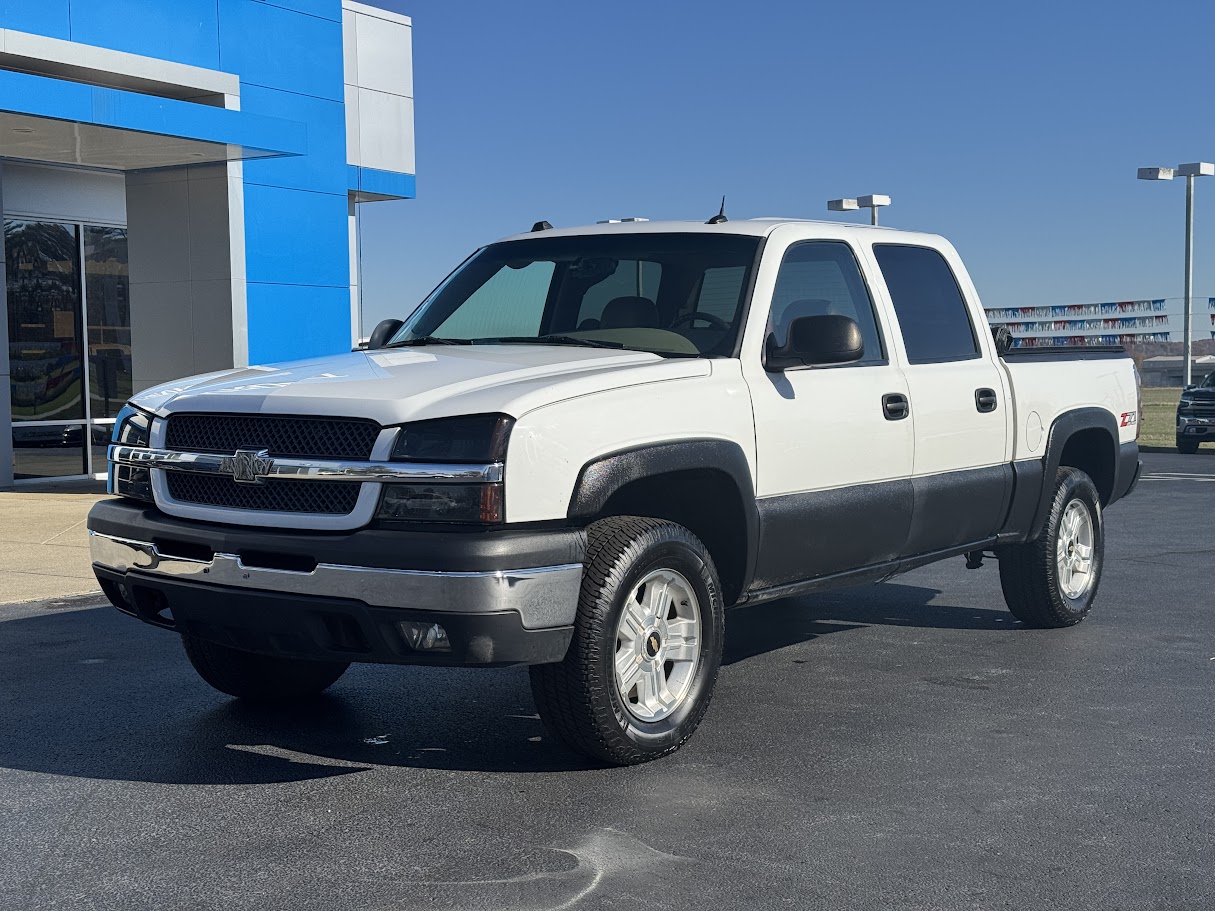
point(1013, 129)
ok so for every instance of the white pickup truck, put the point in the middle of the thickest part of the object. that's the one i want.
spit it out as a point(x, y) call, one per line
point(587, 443)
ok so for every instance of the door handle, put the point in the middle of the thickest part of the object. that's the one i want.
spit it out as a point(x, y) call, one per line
point(895, 406)
point(985, 400)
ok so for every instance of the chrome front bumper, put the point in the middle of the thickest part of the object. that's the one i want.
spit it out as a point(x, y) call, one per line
point(543, 596)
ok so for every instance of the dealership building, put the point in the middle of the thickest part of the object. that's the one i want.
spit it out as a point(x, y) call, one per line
point(179, 182)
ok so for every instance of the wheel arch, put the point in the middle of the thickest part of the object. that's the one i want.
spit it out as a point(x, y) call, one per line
point(703, 485)
point(1084, 438)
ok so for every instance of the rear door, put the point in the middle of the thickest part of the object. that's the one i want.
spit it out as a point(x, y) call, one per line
point(833, 464)
point(961, 478)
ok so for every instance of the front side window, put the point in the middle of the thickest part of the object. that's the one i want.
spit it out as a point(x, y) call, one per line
point(670, 294)
point(932, 313)
point(818, 278)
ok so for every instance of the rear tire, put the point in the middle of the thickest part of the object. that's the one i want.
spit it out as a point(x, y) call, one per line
point(1187, 446)
point(1050, 583)
point(640, 670)
point(260, 678)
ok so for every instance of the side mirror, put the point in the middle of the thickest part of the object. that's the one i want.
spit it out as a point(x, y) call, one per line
point(382, 333)
point(1003, 338)
point(816, 341)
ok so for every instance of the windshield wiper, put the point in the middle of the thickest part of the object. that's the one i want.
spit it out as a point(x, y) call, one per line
point(428, 340)
point(553, 340)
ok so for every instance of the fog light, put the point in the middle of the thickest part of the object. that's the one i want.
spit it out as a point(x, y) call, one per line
point(425, 636)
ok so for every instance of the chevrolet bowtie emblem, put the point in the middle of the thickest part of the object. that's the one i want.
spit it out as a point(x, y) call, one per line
point(248, 466)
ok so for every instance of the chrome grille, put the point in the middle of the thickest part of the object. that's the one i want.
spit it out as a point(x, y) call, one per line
point(336, 498)
point(288, 436)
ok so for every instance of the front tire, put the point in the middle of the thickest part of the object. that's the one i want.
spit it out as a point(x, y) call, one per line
point(1187, 446)
point(640, 671)
point(1051, 582)
point(259, 678)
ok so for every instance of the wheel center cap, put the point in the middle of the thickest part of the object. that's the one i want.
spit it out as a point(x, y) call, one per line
point(653, 644)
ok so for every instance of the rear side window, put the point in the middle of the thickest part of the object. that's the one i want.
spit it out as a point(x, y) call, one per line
point(935, 322)
point(821, 277)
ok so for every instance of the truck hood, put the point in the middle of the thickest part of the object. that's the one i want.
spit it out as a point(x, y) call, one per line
point(406, 384)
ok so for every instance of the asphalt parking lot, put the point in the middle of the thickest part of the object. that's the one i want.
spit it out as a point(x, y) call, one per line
point(901, 746)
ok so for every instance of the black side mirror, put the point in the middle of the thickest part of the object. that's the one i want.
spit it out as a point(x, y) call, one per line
point(382, 333)
point(816, 341)
point(1003, 338)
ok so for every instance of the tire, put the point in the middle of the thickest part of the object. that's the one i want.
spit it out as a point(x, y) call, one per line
point(663, 575)
point(1039, 589)
point(1187, 446)
point(260, 678)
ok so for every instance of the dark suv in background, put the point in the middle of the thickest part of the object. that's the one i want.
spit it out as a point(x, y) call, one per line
point(1196, 416)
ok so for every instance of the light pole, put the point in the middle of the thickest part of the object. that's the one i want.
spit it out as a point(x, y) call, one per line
point(872, 203)
point(1189, 172)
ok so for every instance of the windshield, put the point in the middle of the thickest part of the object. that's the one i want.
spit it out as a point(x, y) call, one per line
point(671, 294)
point(1209, 382)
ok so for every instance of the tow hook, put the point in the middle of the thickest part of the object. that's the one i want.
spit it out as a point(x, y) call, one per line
point(974, 559)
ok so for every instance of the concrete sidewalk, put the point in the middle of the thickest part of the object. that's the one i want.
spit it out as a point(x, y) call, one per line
point(44, 547)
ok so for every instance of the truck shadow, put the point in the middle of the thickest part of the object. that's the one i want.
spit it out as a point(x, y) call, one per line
point(756, 630)
point(92, 694)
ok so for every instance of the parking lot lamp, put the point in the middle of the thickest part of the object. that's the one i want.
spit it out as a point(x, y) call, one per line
point(1189, 172)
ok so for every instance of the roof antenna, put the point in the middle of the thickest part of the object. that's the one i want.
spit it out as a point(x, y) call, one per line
point(541, 226)
point(720, 216)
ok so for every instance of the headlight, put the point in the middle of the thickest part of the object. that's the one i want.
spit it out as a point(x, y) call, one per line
point(475, 439)
point(132, 427)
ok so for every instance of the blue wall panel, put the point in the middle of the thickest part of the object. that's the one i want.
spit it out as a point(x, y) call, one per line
point(287, 322)
point(326, 9)
point(323, 168)
point(385, 183)
point(294, 237)
point(42, 17)
point(280, 49)
point(186, 31)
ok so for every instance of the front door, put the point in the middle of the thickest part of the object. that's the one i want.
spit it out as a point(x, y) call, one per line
point(834, 451)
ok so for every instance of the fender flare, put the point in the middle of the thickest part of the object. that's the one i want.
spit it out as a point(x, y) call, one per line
point(1065, 426)
point(603, 476)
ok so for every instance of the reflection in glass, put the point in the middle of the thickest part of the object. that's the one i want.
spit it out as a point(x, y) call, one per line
point(48, 452)
point(99, 435)
point(108, 309)
point(42, 271)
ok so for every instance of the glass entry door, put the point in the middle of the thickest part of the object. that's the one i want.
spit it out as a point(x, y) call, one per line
point(69, 344)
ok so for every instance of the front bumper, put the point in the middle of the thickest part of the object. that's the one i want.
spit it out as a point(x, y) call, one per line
point(323, 596)
point(1193, 426)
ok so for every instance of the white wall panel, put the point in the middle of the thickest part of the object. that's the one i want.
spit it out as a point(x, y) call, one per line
point(354, 153)
point(65, 194)
point(350, 68)
point(385, 55)
point(385, 131)
point(378, 67)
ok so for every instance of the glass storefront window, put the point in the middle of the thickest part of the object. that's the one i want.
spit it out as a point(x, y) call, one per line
point(49, 451)
point(108, 310)
point(42, 270)
point(62, 309)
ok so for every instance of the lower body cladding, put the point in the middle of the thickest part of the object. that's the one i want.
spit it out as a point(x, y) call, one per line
point(301, 595)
